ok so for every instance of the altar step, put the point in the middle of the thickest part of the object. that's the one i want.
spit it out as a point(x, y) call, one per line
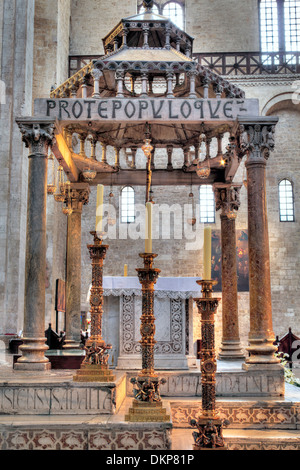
point(242, 414)
point(243, 439)
point(113, 433)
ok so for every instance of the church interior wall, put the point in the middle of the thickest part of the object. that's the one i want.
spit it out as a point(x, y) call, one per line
point(217, 26)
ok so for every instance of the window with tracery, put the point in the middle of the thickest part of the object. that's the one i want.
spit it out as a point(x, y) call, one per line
point(286, 201)
point(127, 205)
point(207, 204)
point(280, 25)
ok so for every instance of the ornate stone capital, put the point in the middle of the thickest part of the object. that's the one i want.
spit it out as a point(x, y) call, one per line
point(37, 136)
point(97, 74)
point(256, 138)
point(78, 196)
point(227, 197)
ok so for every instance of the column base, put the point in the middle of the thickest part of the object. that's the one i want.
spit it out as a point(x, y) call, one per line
point(262, 352)
point(33, 355)
point(230, 351)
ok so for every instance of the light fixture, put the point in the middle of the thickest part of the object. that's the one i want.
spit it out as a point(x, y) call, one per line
point(191, 220)
point(245, 182)
point(147, 148)
point(231, 214)
point(111, 219)
point(60, 196)
point(51, 188)
point(89, 174)
point(203, 165)
point(67, 209)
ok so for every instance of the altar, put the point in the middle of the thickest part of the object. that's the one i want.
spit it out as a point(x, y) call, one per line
point(173, 309)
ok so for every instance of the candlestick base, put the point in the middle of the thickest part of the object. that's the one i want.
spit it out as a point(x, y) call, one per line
point(147, 404)
point(94, 373)
point(209, 434)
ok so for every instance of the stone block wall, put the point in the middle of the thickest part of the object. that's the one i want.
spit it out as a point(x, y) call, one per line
point(47, 32)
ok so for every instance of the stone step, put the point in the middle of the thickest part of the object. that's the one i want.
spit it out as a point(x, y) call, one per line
point(242, 414)
point(242, 439)
point(100, 433)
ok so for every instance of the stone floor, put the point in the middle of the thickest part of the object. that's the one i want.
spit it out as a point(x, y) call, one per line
point(276, 430)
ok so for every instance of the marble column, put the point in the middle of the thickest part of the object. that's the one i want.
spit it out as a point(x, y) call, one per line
point(228, 200)
point(257, 140)
point(79, 195)
point(38, 136)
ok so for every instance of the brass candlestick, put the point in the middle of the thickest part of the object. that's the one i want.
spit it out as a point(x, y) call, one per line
point(209, 425)
point(147, 404)
point(95, 365)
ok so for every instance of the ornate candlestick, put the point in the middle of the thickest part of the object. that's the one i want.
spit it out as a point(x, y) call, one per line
point(147, 404)
point(95, 365)
point(208, 424)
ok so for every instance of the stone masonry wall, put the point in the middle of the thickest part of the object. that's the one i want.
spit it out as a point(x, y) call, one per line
point(216, 25)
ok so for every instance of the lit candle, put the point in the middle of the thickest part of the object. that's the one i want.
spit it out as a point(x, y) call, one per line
point(148, 232)
point(99, 209)
point(207, 254)
point(125, 270)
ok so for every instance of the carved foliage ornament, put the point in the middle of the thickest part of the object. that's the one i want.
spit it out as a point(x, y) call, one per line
point(37, 137)
point(257, 140)
point(227, 199)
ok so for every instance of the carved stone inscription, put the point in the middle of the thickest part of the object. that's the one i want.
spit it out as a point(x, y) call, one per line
point(177, 109)
point(56, 400)
point(234, 384)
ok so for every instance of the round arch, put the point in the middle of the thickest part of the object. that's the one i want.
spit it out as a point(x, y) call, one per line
point(289, 100)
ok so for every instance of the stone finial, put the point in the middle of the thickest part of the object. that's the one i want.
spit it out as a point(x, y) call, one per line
point(148, 4)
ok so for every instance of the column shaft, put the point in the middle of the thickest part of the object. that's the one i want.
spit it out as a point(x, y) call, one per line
point(261, 335)
point(37, 137)
point(230, 347)
point(257, 140)
point(78, 196)
point(73, 281)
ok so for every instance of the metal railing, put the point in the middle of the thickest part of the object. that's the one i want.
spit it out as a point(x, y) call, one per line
point(226, 63)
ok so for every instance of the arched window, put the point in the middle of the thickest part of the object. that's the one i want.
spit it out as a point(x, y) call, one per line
point(174, 11)
point(127, 205)
point(207, 204)
point(286, 201)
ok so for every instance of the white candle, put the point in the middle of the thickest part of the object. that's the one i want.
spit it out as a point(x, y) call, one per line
point(207, 254)
point(99, 209)
point(148, 232)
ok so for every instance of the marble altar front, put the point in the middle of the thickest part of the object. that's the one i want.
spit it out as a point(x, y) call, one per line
point(173, 308)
